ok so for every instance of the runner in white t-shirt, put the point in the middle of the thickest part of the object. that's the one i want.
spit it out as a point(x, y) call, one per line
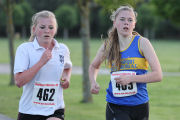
point(43, 69)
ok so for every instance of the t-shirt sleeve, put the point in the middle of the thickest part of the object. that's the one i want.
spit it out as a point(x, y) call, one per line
point(21, 59)
point(67, 59)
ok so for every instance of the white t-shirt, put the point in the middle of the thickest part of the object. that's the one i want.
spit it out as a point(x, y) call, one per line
point(27, 55)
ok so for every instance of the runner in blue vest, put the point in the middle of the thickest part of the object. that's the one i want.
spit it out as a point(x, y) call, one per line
point(128, 54)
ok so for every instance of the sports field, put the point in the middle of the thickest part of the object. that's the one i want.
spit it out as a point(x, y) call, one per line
point(164, 96)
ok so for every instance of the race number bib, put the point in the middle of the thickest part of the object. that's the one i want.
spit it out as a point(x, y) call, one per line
point(123, 90)
point(45, 94)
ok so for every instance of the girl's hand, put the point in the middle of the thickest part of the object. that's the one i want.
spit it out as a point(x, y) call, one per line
point(46, 56)
point(64, 83)
point(95, 88)
point(123, 79)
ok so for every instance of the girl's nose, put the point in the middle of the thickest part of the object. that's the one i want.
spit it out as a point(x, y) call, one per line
point(126, 23)
point(47, 30)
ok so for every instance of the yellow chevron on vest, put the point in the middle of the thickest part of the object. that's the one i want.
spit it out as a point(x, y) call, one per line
point(134, 64)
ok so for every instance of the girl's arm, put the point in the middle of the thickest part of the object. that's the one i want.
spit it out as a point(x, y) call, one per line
point(156, 73)
point(93, 70)
point(65, 79)
point(24, 77)
point(150, 55)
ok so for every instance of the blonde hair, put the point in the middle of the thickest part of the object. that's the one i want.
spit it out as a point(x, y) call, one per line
point(41, 14)
point(111, 45)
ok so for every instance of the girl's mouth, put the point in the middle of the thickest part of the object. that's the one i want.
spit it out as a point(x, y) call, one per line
point(125, 28)
point(46, 36)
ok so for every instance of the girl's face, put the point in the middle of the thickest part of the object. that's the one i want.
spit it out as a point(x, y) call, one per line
point(125, 22)
point(45, 30)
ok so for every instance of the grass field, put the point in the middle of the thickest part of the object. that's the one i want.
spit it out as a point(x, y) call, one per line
point(164, 99)
point(164, 96)
point(167, 51)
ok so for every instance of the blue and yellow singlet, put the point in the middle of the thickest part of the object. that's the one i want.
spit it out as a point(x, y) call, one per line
point(132, 59)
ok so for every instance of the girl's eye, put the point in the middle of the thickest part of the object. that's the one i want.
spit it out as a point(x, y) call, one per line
point(122, 19)
point(51, 27)
point(42, 27)
point(130, 20)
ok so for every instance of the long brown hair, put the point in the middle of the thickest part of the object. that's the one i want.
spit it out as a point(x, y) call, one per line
point(111, 45)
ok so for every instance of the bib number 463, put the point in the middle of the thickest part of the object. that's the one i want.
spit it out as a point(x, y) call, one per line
point(46, 94)
point(124, 87)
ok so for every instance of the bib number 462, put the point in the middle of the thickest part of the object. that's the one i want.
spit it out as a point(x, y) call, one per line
point(46, 94)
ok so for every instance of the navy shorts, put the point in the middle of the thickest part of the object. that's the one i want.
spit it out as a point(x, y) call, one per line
point(58, 114)
point(119, 112)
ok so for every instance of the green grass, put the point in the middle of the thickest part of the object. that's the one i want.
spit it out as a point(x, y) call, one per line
point(9, 97)
point(164, 99)
point(167, 51)
point(168, 54)
point(4, 48)
point(75, 46)
point(164, 96)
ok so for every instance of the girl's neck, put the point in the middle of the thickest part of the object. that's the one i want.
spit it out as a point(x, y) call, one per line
point(47, 45)
point(124, 41)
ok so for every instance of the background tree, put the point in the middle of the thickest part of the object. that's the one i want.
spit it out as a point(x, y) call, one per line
point(99, 21)
point(146, 20)
point(50, 5)
point(169, 25)
point(67, 18)
point(7, 6)
point(168, 9)
point(18, 17)
point(39, 5)
point(85, 36)
point(28, 12)
point(104, 21)
point(2, 21)
point(110, 5)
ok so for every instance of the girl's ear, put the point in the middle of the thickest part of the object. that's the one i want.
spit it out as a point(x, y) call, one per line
point(114, 23)
point(134, 25)
point(33, 28)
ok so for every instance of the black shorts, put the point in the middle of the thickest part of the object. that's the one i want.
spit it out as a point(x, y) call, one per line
point(58, 114)
point(118, 112)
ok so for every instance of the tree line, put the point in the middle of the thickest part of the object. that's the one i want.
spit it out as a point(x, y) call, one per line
point(156, 19)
